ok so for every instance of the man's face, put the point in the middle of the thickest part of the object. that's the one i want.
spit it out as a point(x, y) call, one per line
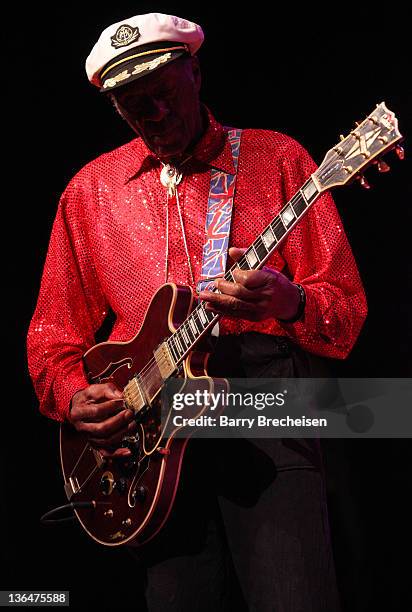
point(163, 107)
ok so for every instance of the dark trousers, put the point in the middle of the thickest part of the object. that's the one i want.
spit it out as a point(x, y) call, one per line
point(249, 528)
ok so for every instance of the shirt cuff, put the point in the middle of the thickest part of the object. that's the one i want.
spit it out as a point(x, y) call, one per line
point(305, 328)
point(66, 384)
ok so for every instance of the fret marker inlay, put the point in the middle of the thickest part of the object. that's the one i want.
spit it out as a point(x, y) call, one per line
point(309, 191)
point(202, 316)
point(251, 257)
point(268, 238)
point(287, 216)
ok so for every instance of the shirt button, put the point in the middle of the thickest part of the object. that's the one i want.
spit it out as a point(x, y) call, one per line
point(283, 348)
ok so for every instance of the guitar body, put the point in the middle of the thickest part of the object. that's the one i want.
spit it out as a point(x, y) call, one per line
point(132, 498)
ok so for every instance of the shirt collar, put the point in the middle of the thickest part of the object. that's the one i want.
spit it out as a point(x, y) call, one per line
point(213, 150)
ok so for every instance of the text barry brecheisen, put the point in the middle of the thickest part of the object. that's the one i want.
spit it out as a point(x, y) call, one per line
point(258, 421)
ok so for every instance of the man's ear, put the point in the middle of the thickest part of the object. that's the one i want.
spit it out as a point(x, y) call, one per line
point(196, 72)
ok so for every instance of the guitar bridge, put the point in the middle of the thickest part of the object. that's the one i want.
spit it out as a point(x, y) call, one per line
point(71, 487)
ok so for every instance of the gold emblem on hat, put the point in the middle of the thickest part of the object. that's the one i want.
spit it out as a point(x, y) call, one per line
point(117, 79)
point(124, 36)
point(154, 63)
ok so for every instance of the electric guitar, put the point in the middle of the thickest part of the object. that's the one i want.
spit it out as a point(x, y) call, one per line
point(127, 501)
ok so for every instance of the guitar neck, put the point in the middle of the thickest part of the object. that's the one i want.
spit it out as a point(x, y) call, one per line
point(183, 340)
point(273, 234)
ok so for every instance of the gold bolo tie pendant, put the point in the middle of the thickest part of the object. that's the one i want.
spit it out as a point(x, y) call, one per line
point(170, 177)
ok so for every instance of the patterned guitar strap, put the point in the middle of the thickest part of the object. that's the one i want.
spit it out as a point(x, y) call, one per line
point(219, 218)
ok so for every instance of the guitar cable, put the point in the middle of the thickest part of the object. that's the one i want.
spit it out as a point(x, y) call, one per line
point(46, 520)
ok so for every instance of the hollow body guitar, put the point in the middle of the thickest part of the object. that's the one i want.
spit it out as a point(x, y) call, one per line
point(133, 496)
point(128, 500)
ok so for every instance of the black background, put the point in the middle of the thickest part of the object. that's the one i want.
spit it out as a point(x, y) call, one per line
point(309, 74)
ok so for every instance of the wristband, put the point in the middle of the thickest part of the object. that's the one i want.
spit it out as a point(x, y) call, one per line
point(301, 306)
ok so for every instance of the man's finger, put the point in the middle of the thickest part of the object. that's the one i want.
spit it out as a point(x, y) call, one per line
point(118, 453)
point(115, 439)
point(253, 279)
point(235, 254)
point(237, 290)
point(96, 412)
point(249, 313)
point(108, 427)
point(229, 304)
point(103, 391)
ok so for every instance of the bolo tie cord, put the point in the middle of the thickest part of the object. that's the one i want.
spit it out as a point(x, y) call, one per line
point(182, 226)
point(172, 190)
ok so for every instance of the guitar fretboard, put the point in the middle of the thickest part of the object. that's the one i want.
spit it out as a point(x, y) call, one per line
point(183, 340)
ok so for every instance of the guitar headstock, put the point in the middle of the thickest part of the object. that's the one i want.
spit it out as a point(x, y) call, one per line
point(376, 135)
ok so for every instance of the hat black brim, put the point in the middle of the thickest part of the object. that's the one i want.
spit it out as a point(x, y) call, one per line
point(141, 67)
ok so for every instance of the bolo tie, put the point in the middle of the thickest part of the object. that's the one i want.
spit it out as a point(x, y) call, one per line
point(171, 177)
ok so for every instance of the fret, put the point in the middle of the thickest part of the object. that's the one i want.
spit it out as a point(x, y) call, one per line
point(203, 314)
point(210, 315)
point(197, 324)
point(193, 327)
point(279, 229)
point(173, 349)
point(310, 191)
point(269, 238)
point(189, 332)
point(179, 345)
point(229, 276)
point(185, 335)
point(260, 249)
point(299, 205)
point(243, 264)
point(182, 339)
point(200, 326)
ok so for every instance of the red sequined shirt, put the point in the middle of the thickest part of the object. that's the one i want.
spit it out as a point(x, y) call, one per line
point(108, 245)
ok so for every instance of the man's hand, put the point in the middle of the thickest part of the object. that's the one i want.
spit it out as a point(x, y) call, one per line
point(99, 412)
point(256, 295)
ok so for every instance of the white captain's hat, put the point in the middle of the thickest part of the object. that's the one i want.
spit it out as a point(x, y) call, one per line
point(133, 48)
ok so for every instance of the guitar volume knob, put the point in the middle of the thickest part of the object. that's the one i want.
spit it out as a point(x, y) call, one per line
point(121, 485)
point(140, 493)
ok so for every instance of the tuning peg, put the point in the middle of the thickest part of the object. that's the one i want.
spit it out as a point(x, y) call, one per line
point(364, 183)
point(382, 166)
point(341, 137)
point(400, 151)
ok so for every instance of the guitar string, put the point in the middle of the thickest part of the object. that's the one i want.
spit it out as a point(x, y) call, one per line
point(88, 477)
point(79, 459)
